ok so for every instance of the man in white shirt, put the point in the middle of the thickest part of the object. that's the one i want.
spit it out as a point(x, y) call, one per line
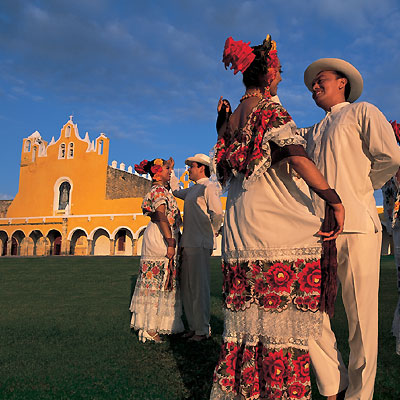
point(355, 149)
point(202, 218)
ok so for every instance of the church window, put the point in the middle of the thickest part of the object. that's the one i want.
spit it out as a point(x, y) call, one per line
point(100, 147)
point(71, 150)
point(68, 131)
point(61, 152)
point(64, 191)
point(34, 154)
point(27, 146)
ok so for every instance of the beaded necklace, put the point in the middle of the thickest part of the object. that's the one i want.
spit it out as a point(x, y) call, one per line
point(248, 95)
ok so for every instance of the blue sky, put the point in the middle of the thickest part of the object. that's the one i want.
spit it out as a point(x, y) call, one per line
point(149, 74)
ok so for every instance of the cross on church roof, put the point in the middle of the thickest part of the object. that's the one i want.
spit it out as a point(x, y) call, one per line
point(70, 118)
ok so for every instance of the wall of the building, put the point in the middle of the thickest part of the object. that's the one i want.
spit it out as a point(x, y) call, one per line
point(4, 205)
point(122, 184)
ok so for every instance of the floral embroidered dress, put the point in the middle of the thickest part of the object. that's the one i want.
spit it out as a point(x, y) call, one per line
point(153, 306)
point(271, 263)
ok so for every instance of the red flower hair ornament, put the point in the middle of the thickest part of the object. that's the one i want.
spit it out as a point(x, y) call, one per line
point(396, 129)
point(156, 169)
point(140, 169)
point(237, 53)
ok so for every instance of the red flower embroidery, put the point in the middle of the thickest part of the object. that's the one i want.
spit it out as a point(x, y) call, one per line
point(238, 279)
point(296, 390)
point(247, 355)
point(260, 286)
point(310, 277)
point(227, 384)
point(271, 301)
point(280, 277)
point(277, 368)
point(248, 376)
point(231, 358)
point(255, 270)
point(302, 368)
point(313, 305)
point(155, 270)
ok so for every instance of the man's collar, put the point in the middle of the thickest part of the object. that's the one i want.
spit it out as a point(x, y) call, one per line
point(338, 106)
point(202, 180)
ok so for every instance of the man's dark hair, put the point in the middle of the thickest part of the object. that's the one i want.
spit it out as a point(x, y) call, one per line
point(347, 88)
point(206, 169)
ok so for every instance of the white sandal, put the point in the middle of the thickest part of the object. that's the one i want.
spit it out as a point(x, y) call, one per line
point(144, 335)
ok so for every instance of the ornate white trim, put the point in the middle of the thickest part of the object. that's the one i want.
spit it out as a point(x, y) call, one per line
point(273, 254)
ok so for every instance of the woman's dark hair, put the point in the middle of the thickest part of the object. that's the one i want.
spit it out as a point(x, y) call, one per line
point(259, 67)
point(347, 88)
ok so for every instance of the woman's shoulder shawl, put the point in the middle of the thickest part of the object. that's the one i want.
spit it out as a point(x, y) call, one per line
point(247, 151)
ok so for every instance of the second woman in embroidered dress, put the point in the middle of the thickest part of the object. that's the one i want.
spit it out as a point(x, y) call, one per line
point(156, 304)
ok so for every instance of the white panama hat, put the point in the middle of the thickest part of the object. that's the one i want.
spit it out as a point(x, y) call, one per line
point(199, 158)
point(336, 64)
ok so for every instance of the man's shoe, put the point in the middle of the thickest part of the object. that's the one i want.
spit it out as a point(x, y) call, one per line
point(198, 338)
point(188, 334)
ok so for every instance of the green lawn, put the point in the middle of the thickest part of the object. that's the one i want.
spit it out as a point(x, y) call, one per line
point(64, 334)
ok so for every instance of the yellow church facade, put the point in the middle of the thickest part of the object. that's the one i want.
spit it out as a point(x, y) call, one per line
point(71, 202)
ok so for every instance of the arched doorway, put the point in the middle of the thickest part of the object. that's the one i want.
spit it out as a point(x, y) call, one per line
point(123, 242)
point(3, 243)
point(35, 235)
point(79, 243)
point(101, 243)
point(55, 242)
point(16, 240)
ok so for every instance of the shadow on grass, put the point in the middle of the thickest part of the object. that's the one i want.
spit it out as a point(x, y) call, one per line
point(196, 361)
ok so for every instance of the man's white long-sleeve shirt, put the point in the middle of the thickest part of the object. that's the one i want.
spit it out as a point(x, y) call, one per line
point(202, 213)
point(355, 149)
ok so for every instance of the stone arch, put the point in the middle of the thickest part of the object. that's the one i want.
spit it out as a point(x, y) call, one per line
point(101, 242)
point(35, 235)
point(123, 241)
point(79, 242)
point(55, 239)
point(43, 246)
point(16, 240)
point(27, 246)
point(3, 243)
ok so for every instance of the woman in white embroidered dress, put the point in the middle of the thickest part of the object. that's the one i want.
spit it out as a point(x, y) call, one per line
point(271, 243)
point(156, 304)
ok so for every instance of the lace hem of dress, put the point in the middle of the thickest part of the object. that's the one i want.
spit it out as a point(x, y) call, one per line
point(272, 254)
point(288, 328)
point(156, 310)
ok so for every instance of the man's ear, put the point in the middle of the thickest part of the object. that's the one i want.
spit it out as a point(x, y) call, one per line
point(343, 83)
